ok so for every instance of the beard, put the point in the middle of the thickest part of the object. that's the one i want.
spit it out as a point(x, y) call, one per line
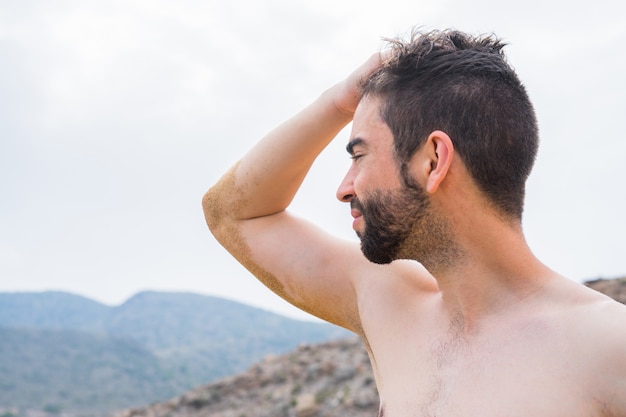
point(402, 224)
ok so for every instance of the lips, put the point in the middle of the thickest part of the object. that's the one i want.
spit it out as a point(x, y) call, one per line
point(356, 213)
point(358, 216)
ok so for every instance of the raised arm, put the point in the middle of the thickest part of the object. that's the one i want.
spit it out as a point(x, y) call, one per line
point(245, 210)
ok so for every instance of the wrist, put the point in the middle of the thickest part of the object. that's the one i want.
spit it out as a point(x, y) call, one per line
point(342, 101)
point(334, 99)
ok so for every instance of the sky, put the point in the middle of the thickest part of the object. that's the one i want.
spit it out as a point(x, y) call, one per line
point(116, 116)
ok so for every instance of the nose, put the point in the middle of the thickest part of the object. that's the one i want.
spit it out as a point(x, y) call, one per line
point(345, 192)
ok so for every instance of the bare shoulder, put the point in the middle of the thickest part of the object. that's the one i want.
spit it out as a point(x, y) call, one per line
point(597, 326)
point(606, 341)
point(596, 310)
point(592, 314)
point(392, 295)
point(602, 316)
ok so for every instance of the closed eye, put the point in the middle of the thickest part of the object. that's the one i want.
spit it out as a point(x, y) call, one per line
point(352, 144)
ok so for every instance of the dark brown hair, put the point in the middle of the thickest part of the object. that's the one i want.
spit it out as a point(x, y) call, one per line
point(462, 85)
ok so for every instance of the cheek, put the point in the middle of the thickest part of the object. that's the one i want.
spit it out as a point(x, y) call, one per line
point(365, 183)
point(377, 178)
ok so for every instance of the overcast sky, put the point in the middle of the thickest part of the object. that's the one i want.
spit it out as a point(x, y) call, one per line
point(116, 116)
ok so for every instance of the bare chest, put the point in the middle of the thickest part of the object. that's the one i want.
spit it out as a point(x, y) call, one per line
point(504, 374)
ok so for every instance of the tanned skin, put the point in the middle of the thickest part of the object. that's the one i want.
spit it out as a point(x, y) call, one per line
point(486, 330)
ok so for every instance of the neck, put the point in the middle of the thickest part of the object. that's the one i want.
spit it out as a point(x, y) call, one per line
point(495, 272)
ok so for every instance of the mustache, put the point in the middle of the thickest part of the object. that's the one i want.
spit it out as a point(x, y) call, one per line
point(356, 204)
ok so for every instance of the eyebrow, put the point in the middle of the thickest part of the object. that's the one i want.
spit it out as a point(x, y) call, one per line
point(354, 142)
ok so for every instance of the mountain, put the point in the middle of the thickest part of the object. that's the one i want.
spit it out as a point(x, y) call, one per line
point(50, 310)
point(60, 351)
point(51, 369)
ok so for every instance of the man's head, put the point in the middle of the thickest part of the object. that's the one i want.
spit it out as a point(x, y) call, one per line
point(393, 212)
point(463, 86)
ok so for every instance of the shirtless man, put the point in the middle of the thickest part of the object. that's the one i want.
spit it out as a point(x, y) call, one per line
point(443, 139)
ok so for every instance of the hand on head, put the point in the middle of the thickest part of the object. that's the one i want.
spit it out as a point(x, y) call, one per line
point(348, 92)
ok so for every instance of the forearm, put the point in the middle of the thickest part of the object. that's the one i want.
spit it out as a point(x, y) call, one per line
point(267, 178)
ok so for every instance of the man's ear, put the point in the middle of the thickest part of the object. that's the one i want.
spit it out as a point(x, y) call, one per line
point(440, 152)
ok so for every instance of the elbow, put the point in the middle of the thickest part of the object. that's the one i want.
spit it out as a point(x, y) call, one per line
point(212, 206)
point(217, 204)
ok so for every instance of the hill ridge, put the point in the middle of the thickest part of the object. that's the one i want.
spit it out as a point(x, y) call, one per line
point(181, 340)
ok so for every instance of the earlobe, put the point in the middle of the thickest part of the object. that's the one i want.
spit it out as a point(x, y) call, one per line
point(441, 154)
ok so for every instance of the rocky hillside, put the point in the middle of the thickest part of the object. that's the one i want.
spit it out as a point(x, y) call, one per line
point(324, 380)
point(329, 379)
point(615, 288)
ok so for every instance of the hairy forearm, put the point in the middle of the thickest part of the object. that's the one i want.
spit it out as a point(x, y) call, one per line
point(267, 178)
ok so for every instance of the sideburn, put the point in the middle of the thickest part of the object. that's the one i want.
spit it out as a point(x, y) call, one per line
point(432, 239)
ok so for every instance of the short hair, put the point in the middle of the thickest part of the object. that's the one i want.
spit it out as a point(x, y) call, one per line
point(462, 85)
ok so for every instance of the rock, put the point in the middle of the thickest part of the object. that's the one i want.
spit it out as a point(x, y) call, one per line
point(614, 288)
point(325, 380)
point(306, 405)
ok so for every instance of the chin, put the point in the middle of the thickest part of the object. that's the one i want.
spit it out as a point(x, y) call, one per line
point(376, 255)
